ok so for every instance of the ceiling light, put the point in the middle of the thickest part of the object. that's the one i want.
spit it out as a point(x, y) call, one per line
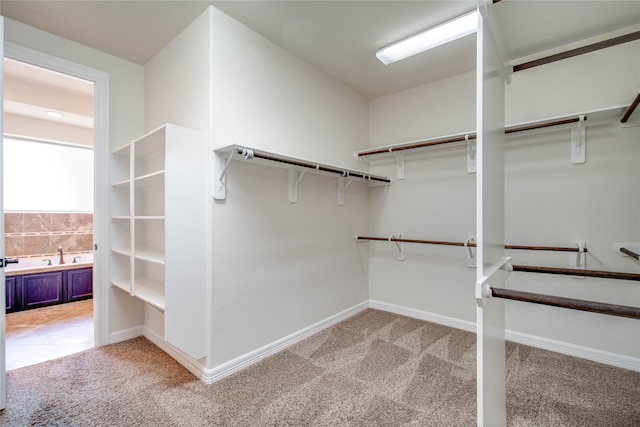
point(55, 114)
point(451, 30)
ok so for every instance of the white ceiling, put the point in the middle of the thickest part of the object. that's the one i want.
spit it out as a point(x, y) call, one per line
point(337, 37)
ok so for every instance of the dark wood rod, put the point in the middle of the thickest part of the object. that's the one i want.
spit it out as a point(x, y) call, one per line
point(631, 109)
point(473, 245)
point(577, 272)
point(461, 138)
point(578, 51)
point(574, 304)
point(630, 253)
point(514, 129)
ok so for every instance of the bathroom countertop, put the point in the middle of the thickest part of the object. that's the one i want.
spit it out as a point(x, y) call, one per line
point(39, 265)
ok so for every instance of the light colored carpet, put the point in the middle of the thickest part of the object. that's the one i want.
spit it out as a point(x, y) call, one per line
point(374, 369)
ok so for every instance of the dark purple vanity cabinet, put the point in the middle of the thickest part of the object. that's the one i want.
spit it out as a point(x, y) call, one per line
point(39, 290)
point(28, 291)
point(10, 294)
point(79, 284)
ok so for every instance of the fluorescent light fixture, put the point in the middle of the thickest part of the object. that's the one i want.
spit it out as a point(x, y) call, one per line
point(55, 114)
point(451, 30)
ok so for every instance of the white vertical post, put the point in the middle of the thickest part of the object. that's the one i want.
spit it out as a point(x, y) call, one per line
point(3, 370)
point(491, 395)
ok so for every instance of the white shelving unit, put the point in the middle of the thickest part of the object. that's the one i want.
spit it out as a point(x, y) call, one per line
point(158, 243)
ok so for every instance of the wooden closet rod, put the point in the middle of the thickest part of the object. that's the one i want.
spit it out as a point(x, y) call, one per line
point(316, 166)
point(631, 109)
point(630, 253)
point(461, 138)
point(575, 304)
point(578, 51)
point(577, 272)
point(473, 245)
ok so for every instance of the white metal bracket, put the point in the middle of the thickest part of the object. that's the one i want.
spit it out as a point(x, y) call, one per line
point(400, 165)
point(294, 180)
point(342, 186)
point(400, 247)
point(579, 142)
point(471, 154)
point(496, 275)
point(633, 247)
point(471, 256)
point(579, 259)
point(220, 172)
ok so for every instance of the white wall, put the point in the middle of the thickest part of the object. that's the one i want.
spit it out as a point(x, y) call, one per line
point(549, 201)
point(126, 120)
point(276, 267)
point(280, 267)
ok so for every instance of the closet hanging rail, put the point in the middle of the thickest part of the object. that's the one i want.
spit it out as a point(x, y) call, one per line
point(631, 109)
point(473, 245)
point(577, 272)
point(571, 303)
point(578, 51)
point(630, 253)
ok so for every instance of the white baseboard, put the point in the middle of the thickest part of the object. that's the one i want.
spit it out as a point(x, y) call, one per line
point(224, 370)
point(126, 334)
point(600, 356)
point(191, 364)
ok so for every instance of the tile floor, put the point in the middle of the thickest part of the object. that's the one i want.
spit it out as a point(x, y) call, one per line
point(41, 334)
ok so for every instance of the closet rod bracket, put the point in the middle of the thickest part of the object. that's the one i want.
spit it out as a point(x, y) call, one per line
point(579, 142)
point(342, 186)
point(471, 154)
point(471, 256)
point(399, 246)
point(294, 180)
point(220, 172)
point(495, 276)
point(399, 165)
point(579, 259)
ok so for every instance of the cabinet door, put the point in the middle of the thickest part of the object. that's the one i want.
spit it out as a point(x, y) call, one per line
point(79, 284)
point(39, 290)
point(10, 292)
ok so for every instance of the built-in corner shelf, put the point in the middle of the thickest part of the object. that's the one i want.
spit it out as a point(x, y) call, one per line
point(157, 231)
point(577, 123)
point(296, 166)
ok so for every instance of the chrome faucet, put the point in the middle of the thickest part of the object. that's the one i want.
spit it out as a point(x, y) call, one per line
point(61, 257)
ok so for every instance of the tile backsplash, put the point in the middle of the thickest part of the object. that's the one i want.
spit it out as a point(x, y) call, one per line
point(28, 234)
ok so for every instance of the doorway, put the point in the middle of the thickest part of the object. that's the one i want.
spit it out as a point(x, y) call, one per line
point(48, 213)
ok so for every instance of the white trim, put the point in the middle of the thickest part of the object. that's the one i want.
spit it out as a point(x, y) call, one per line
point(588, 353)
point(101, 171)
point(452, 322)
point(189, 363)
point(126, 334)
point(224, 370)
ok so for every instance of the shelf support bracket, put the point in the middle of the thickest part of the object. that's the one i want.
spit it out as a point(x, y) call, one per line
point(294, 180)
point(471, 154)
point(220, 172)
point(579, 260)
point(342, 187)
point(399, 246)
point(400, 165)
point(471, 256)
point(496, 276)
point(578, 142)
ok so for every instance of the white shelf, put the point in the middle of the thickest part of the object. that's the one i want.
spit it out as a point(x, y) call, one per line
point(121, 251)
point(151, 291)
point(159, 196)
point(153, 255)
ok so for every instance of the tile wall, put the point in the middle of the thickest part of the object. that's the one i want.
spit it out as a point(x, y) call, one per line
point(31, 234)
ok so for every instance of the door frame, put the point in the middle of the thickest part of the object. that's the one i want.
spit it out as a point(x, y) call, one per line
point(100, 80)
